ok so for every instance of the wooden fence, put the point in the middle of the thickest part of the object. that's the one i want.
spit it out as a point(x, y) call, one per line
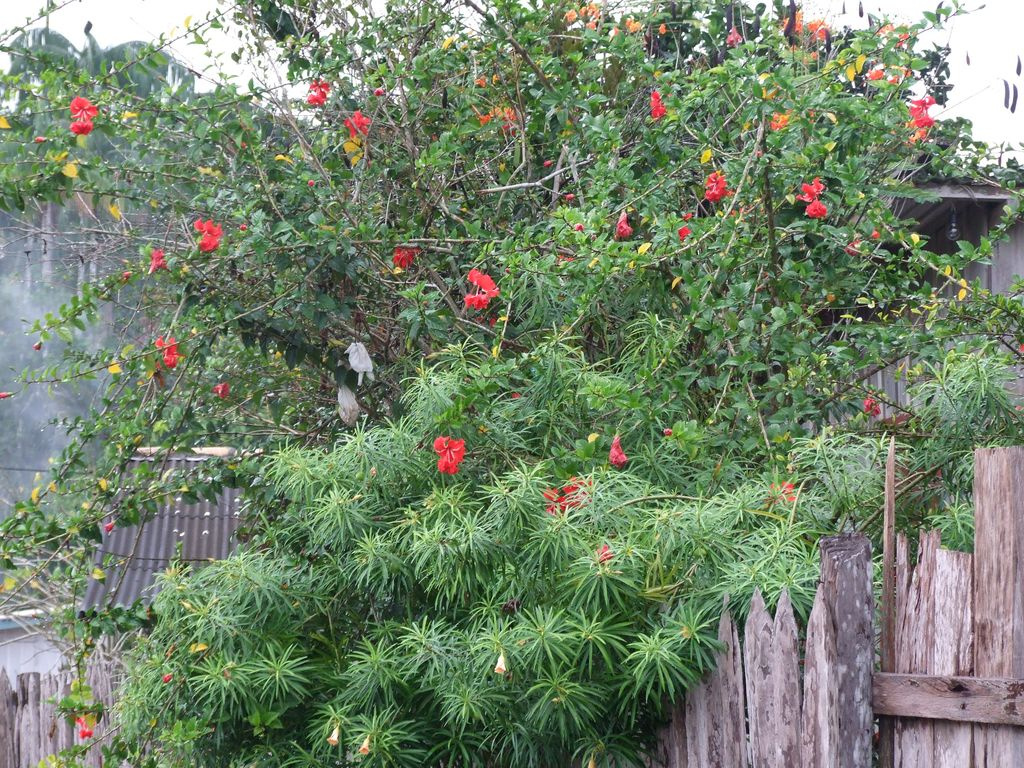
point(31, 729)
point(950, 690)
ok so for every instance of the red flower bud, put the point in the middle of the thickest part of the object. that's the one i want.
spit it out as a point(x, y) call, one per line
point(168, 677)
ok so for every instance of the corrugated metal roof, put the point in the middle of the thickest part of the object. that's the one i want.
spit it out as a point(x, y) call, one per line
point(132, 556)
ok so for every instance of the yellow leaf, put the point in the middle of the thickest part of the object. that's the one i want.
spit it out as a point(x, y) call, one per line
point(447, 43)
point(114, 211)
point(198, 647)
point(188, 22)
point(4, 125)
point(283, 159)
point(35, 495)
point(9, 584)
point(98, 574)
point(961, 294)
point(114, 368)
point(631, 265)
point(851, 73)
point(644, 248)
point(706, 155)
point(832, 116)
point(915, 238)
point(60, 156)
point(676, 282)
point(70, 170)
point(948, 270)
point(592, 437)
point(593, 263)
point(860, 62)
point(496, 351)
point(52, 487)
point(791, 199)
point(830, 146)
point(129, 115)
point(103, 484)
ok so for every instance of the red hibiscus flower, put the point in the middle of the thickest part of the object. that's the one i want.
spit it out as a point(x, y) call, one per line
point(816, 210)
point(853, 247)
point(487, 289)
point(604, 554)
point(734, 38)
point(318, 91)
point(716, 187)
point(83, 109)
point(170, 350)
point(657, 108)
point(211, 235)
point(781, 492)
point(812, 191)
point(687, 216)
point(81, 127)
point(108, 527)
point(872, 407)
point(779, 120)
point(877, 73)
point(616, 456)
point(684, 232)
point(222, 390)
point(622, 229)
point(403, 256)
point(84, 731)
point(919, 116)
point(5, 395)
point(156, 260)
point(450, 452)
point(572, 495)
point(667, 432)
point(358, 123)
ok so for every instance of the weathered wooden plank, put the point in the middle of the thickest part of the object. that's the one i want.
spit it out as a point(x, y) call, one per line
point(998, 595)
point(952, 648)
point(998, 701)
point(915, 738)
point(671, 752)
point(730, 666)
point(785, 677)
point(820, 716)
point(7, 724)
point(886, 726)
point(697, 715)
point(846, 579)
point(757, 642)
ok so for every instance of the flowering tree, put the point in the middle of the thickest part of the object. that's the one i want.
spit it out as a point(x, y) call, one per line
point(607, 290)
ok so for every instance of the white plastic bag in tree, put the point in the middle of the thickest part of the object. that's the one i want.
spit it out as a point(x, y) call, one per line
point(359, 361)
point(348, 408)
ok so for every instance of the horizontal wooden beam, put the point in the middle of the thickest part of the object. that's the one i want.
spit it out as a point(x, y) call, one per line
point(942, 697)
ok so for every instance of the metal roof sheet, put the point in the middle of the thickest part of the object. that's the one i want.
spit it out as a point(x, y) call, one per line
point(132, 556)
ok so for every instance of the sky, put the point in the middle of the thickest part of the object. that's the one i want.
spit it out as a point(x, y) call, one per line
point(989, 35)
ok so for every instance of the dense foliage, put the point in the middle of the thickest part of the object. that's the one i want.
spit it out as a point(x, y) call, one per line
point(625, 281)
